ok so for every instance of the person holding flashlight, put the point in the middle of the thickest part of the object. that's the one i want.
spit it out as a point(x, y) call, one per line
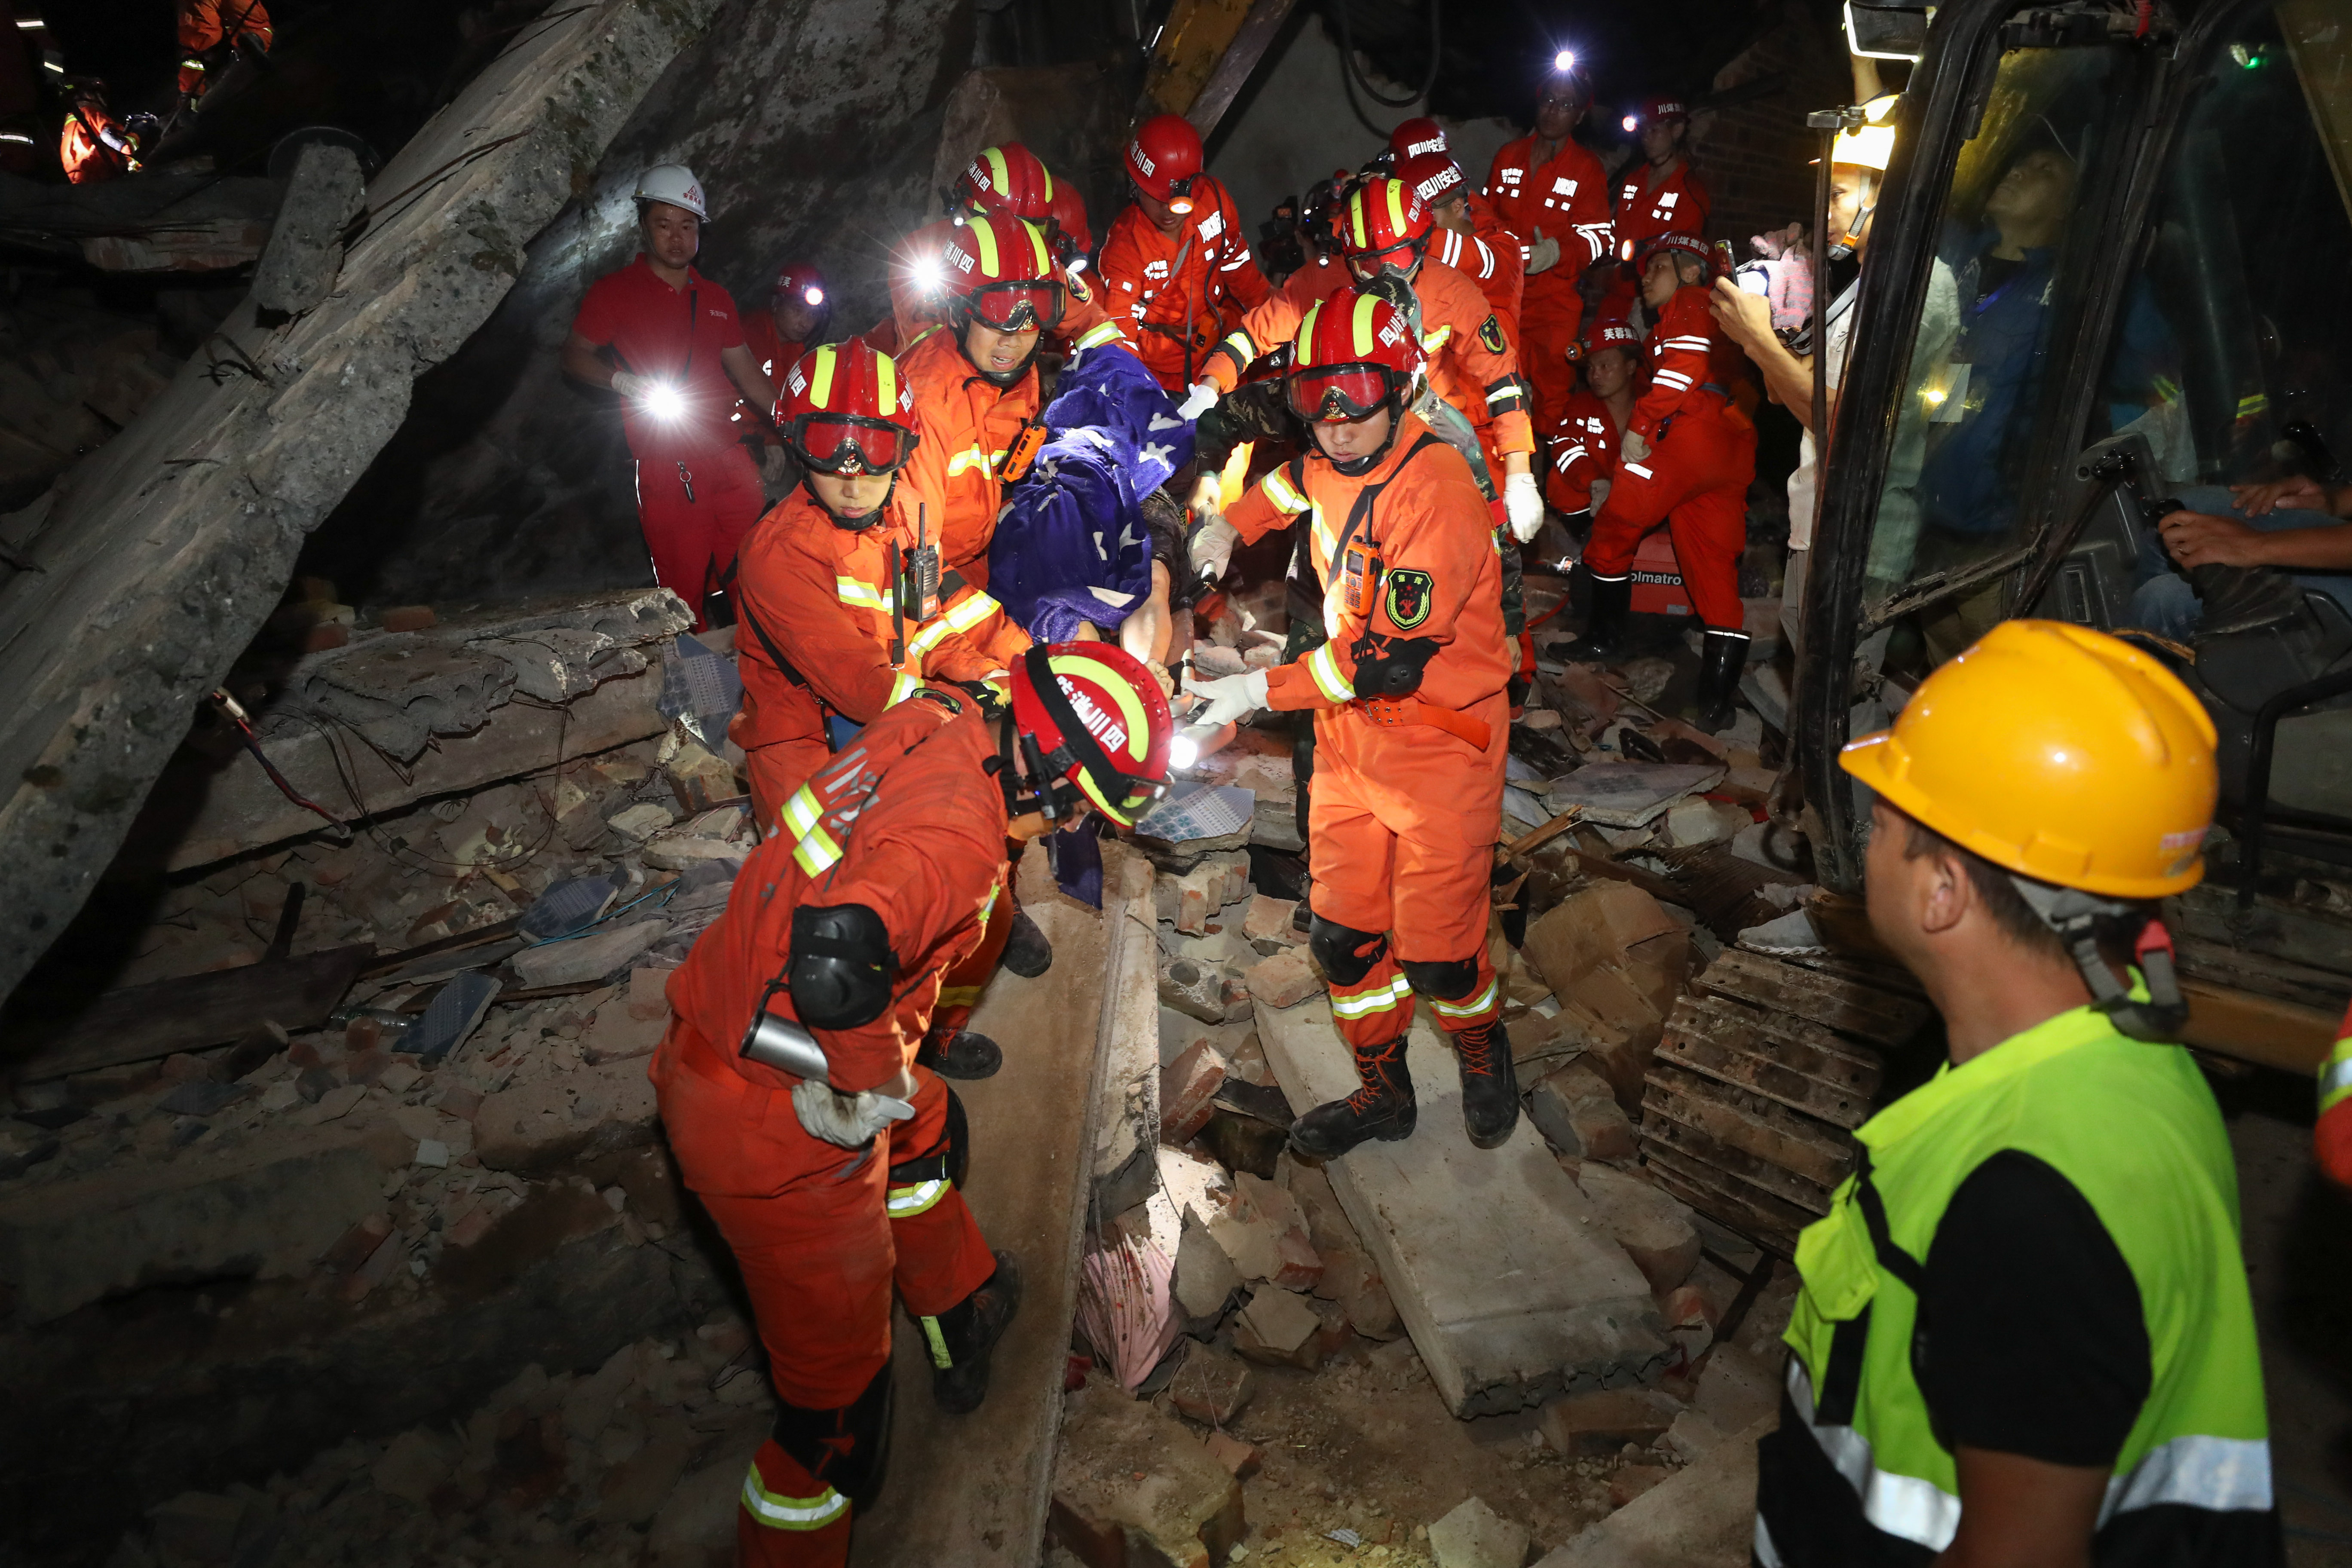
point(671, 342)
point(827, 1156)
point(1010, 179)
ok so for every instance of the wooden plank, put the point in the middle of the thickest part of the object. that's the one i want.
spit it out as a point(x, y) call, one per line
point(140, 1023)
point(1819, 1155)
point(1498, 1263)
point(2256, 1028)
point(1875, 1016)
point(2242, 970)
point(1792, 1062)
point(1660, 1130)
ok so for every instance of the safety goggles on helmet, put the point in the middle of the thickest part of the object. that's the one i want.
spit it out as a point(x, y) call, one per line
point(852, 444)
point(1340, 393)
point(1016, 307)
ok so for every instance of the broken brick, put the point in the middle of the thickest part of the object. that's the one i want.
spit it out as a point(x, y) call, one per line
point(1268, 1226)
point(1241, 1459)
point(1187, 1085)
point(1285, 980)
point(407, 618)
point(1212, 1387)
point(1268, 926)
point(1212, 993)
point(1279, 1329)
point(648, 994)
point(1587, 1425)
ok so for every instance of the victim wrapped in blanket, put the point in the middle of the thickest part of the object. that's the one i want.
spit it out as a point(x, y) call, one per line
point(1073, 544)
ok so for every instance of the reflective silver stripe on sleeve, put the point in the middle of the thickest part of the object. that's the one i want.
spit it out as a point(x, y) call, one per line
point(2215, 1473)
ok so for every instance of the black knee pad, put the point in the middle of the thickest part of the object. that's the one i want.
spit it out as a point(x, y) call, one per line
point(849, 1449)
point(946, 1159)
point(1346, 953)
point(1448, 981)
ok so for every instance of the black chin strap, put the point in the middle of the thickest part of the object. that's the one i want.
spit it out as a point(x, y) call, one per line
point(2075, 915)
point(852, 524)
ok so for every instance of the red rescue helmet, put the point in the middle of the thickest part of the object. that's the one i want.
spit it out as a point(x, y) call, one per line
point(1354, 355)
point(1091, 720)
point(1163, 159)
point(1384, 224)
point(1073, 237)
point(1417, 139)
point(1001, 271)
point(803, 285)
point(1007, 179)
point(1656, 109)
point(1683, 244)
point(846, 410)
point(1432, 176)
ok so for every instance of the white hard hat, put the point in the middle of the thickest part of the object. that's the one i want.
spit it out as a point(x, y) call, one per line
point(674, 183)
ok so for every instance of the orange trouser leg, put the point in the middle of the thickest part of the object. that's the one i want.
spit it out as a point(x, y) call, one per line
point(1697, 474)
point(1351, 852)
point(1439, 888)
point(961, 986)
point(777, 769)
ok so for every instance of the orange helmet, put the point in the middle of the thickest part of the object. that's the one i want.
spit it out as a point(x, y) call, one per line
point(846, 410)
point(1007, 179)
point(1417, 139)
point(1093, 729)
point(1354, 353)
point(1163, 159)
point(1383, 224)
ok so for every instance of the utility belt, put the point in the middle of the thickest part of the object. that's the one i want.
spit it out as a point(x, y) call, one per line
point(1395, 712)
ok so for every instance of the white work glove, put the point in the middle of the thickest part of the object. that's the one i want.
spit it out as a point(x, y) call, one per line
point(1523, 505)
point(850, 1121)
point(1544, 255)
point(1203, 397)
point(1212, 549)
point(629, 384)
point(1633, 447)
point(1229, 697)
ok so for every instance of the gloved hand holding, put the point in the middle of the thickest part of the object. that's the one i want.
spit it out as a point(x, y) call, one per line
point(1523, 505)
point(1635, 448)
point(1203, 397)
point(1228, 698)
point(629, 384)
point(850, 1121)
point(1544, 255)
point(1211, 549)
point(1600, 495)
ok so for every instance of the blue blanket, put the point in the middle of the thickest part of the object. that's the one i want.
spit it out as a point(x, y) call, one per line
point(1071, 544)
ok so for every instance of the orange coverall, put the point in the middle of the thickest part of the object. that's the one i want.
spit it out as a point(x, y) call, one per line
point(1408, 792)
point(1676, 205)
point(206, 25)
point(909, 825)
point(1585, 449)
point(89, 158)
point(968, 425)
point(1567, 197)
point(1697, 475)
point(1178, 294)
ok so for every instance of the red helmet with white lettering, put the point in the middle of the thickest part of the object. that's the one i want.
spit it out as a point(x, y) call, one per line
point(1094, 730)
point(803, 285)
point(1656, 109)
point(1354, 353)
point(1434, 177)
point(1000, 269)
point(1682, 244)
point(1163, 159)
point(1007, 179)
point(846, 410)
point(1383, 224)
point(1417, 139)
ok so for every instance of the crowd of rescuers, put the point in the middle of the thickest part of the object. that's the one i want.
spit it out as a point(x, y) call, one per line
point(2024, 1333)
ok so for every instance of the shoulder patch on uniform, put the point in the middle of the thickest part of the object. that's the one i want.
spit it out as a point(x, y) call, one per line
point(1407, 599)
point(1490, 332)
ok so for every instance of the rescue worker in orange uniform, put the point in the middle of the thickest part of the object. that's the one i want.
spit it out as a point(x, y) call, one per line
point(1411, 720)
point(671, 342)
point(1176, 267)
point(834, 631)
point(829, 1159)
point(1584, 446)
point(1475, 243)
point(214, 28)
point(1554, 196)
point(95, 147)
point(1657, 194)
point(974, 378)
point(1008, 179)
point(1687, 459)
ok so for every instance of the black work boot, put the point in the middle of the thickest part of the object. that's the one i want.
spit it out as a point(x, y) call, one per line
point(1604, 628)
point(1026, 952)
point(1382, 1108)
point(1723, 656)
point(1490, 1086)
point(959, 1055)
point(961, 1338)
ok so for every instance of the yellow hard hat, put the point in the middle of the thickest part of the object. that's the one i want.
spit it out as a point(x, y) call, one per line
point(1871, 144)
point(2057, 753)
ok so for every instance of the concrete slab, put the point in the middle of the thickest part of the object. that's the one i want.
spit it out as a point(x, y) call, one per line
point(1502, 1269)
point(1703, 1517)
point(973, 1489)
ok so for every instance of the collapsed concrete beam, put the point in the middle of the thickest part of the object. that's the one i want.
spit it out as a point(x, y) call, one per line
point(157, 559)
point(157, 223)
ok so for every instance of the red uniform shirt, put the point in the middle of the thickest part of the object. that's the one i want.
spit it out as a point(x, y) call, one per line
point(1585, 443)
point(1567, 197)
point(1688, 358)
point(1178, 294)
point(1675, 204)
point(674, 335)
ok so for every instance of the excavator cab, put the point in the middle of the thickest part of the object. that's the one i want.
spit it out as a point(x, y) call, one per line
point(2105, 283)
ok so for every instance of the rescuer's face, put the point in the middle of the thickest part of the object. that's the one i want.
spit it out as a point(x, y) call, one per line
point(673, 235)
point(1660, 278)
point(1000, 353)
point(1164, 217)
point(1557, 112)
point(1608, 371)
point(849, 498)
point(1345, 443)
point(795, 319)
point(1660, 138)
